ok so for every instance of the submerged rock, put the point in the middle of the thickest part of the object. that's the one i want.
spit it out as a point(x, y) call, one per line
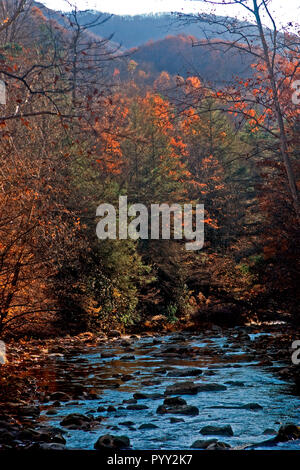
point(137, 407)
point(191, 388)
point(203, 444)
point(112, 442)
point(251, 406)
point(126, 377)
point(60, 396)
point(177, 405)
point(51, 446)
point(77, 421)
point(211, 387)
point(128, 424)
point(171, 401)
point(217, 430)
point(182, 388)
point(148, 426)
point(106, 354)
point(185, 373)
point(288, 432)
point(218, 446)
point(140, 396)
point(111, 408)
point(51, 412)
point(176, 420)
point(269, 431)
point(235, 383)
point(128, 357)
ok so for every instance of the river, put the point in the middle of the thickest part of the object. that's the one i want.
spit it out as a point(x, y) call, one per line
point(101, 380)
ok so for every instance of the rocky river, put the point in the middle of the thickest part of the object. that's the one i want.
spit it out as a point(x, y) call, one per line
point(210, 389)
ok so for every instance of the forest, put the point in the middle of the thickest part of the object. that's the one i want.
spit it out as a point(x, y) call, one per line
point(86, 122)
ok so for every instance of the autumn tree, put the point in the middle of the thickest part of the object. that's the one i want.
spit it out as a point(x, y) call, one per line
point(266, 47)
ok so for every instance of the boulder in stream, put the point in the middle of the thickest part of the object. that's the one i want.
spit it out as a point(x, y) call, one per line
point(177, 405)
point(76, 421)
point(185, 373)
point(203, 444)
point(60, 396)
point(112, 442)
point(288, 432)
point(217, 430)
point(191, 388)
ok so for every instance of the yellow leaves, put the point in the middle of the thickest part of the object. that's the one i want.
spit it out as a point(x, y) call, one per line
point(193, 82)
point(116, 293)
point(132, 66)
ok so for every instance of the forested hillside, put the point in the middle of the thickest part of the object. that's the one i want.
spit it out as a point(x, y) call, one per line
point(178, 55)
point(85, 123)
point(134, 31)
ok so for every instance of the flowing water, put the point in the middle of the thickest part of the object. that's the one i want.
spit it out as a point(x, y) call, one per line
point(221, 360)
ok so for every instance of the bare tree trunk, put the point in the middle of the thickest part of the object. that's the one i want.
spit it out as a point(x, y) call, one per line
point(283, 139)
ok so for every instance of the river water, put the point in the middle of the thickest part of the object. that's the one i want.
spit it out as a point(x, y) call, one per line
point(222, 359)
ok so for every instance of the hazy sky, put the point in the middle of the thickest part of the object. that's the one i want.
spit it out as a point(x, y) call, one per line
point(284, 10)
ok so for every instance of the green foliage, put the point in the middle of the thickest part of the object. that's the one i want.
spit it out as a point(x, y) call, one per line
point(171, 311)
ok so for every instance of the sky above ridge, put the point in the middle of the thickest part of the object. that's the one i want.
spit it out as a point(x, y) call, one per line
point(283, 11)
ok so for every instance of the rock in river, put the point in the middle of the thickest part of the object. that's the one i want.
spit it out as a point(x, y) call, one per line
point(185, 373)
point(148, 426)
point(217, 431)
point(191, 388)
point(61, 396)
point(202, 444)
point(218, 446)
point(288, 432)
point(51, 446)
point(177, 405)
point(251, 406)
point(137, 407)
point(112, 442)
point(77, 421)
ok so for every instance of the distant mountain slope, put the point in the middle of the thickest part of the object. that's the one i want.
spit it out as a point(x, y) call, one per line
point(156, 50)
point(133, 31)
point(176, 55)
